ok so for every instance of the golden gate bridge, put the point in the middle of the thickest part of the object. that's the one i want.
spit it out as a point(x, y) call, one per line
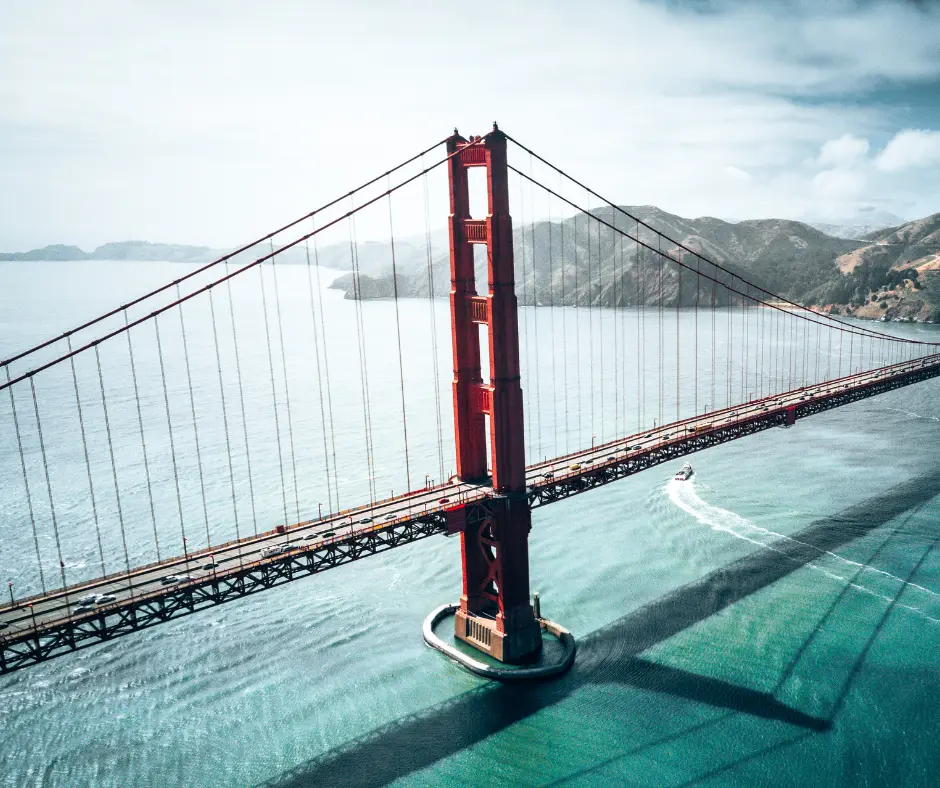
point(145, 489)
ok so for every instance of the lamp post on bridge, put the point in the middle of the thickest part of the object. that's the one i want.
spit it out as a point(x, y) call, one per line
point(10, 587)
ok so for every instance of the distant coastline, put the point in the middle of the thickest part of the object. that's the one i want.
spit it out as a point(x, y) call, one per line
point(139, 251)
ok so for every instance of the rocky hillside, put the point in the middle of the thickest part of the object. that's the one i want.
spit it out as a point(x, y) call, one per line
point(889, 274)
point(893, 276)
point(577, 261)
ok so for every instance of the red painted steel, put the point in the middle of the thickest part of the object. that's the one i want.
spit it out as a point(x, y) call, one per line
point(469, 424)
point(494, 553)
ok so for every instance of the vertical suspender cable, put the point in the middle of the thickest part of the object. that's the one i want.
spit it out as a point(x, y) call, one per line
point(615, 271)
point(228, 440)
point(851, 351)
point(714, 377)
point(192, 406)
point(29, 495)
point(401, 368)
point(290, 420)
point(600, 324)
point(730, 350)
point(745, 326)
point(641, 326)
point(91, 486)
point(623, 338)
point(551, 313)
point(437, 372)
point(143, 443)
point(117, 491)
point(316, 351)
point(241, 400)
point(577, 333)
point(277, 421)
point(818, 334)
point(326, 373)
point(535, 320)
point(363, 360)
point(678, 345)
point(564, 327)
point(169, 424)
point(660, 338)
point(698, 295)
point(45, 467)
point(527, 388)
point(591, 329)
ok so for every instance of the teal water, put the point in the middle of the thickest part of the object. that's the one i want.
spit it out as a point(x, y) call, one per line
point(774, 622)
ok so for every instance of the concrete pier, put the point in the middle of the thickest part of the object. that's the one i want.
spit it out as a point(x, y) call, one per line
point(504, 673)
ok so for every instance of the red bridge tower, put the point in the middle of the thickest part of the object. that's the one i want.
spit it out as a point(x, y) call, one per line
point(495, 614)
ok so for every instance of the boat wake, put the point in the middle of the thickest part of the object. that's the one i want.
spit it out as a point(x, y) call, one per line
point(684, 495)
point(913, 415)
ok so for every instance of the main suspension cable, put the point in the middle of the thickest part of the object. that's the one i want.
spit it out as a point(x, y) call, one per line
point(248, 266)
point(766, 292)
point(224, 259)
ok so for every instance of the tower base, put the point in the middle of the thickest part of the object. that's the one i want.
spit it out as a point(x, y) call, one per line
point(550, 664)
point(523, 644)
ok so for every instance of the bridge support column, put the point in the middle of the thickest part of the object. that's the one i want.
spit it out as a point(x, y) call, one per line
point(495, 614)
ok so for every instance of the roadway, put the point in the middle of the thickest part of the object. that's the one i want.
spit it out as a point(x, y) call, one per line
point(229, 558)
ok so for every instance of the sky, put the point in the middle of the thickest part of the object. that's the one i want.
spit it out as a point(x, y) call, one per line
point(204, 122)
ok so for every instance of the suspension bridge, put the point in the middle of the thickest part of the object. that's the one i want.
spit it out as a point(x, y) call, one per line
point(224, 433)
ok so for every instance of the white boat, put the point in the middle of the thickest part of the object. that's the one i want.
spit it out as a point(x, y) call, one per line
point(684, 473)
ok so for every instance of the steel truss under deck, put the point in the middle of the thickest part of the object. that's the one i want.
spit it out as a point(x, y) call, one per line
point(81, 630)
point(618, 468)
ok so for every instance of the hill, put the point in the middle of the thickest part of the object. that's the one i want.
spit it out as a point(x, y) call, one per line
point(145, 251)
point(569, 263)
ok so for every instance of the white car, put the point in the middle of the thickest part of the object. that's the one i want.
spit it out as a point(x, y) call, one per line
point(170, 580)
point(273, 550)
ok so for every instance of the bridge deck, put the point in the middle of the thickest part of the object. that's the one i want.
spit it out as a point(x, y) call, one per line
point(36, 629)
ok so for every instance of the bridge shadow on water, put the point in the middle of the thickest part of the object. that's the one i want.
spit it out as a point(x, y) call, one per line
point(611, 655)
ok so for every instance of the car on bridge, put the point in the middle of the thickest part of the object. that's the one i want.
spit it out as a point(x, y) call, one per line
point(91, 601)
point(171, 580)
point(276, 549)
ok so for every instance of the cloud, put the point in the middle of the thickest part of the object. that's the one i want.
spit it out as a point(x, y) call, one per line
point(910, 148)
point(736, 174)
point(166, 121)
point(840, 185)
point(843, 152)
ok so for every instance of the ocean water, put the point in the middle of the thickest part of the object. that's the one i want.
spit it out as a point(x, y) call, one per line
point(774, 621)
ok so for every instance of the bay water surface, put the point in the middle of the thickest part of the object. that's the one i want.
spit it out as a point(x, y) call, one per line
point(774, 621)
